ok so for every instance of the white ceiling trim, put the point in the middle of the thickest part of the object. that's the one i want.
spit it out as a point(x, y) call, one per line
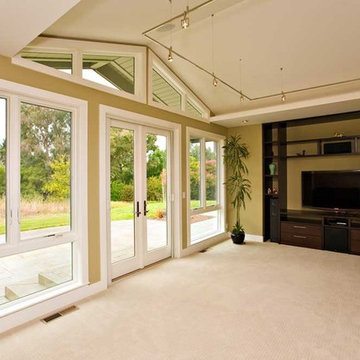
point(300, 109)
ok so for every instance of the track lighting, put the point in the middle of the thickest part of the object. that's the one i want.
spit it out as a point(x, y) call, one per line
point(215, 80)
point(283, 97)
point(185, 21)
point(170, 57)
point(242, 97)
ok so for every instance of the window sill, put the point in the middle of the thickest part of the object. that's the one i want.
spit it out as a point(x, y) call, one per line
point(36, 298)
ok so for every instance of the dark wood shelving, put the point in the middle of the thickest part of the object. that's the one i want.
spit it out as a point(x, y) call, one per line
point(320, 155)
point(271, 142)
point(301, 228)
point(327, 139)
point(272, 195)
point(271, 157)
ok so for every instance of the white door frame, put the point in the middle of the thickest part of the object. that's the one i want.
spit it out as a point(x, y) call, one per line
point(105, 113)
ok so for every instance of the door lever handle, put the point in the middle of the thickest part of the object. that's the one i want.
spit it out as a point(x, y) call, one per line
point(145, 211)
point(138, 212)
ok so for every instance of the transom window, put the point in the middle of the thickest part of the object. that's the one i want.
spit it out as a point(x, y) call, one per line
point(117, 72)
point(59, 61)
point(206, 202)
point(129, 71)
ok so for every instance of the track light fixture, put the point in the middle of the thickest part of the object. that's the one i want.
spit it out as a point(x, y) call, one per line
point(242, 97)
point(170, 57)
point(283, 97)
point(185, 21)
point(215, 80)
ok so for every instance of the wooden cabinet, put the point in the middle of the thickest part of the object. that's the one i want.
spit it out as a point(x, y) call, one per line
point(301, 234)
point(355, 241)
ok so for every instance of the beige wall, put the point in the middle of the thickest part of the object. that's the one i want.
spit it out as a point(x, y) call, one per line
point(95, 98)
point(252, 217)
point(297, 165)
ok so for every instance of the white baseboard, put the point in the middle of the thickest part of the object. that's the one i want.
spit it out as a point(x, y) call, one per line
point(257, 238)
point(50, 306)
point(204, 244)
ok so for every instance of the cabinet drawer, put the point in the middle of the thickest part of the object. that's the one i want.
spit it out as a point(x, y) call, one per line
point(301, 240)
point(355, 241)
point(300, 228)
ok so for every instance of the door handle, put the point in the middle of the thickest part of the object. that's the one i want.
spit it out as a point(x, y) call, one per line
point(145, 211)
point(138, 212)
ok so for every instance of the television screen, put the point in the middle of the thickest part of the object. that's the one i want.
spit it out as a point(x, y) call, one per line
point(331, 189)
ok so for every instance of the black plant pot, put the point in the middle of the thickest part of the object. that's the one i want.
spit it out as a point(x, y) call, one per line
point(238, 238)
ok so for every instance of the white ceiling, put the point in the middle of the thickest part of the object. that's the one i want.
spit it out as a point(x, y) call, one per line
point(23, 20)
point(315, 41)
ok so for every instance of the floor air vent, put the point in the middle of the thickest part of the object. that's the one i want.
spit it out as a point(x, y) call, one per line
point(59, 314)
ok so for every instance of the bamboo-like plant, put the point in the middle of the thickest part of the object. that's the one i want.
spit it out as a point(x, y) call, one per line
point(238, 186)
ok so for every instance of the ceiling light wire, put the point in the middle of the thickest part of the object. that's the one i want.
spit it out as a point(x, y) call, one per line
point(215, 81)
point(242, 97)
point(170, 55)
point(283, 96)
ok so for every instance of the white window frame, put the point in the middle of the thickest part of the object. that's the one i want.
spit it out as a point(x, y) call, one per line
point(154, 62)
point(221, 203)
point(77, 49)
point(78, 236)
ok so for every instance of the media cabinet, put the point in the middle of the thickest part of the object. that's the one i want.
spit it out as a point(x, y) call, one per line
point(321, 230)
point(313, 229)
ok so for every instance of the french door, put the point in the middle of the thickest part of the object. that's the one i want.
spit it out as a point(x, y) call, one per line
point(139, 211)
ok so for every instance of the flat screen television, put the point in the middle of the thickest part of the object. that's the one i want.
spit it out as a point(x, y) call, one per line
point(337, 190)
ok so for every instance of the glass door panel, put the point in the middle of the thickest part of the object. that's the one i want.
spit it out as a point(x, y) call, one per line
point(156, 190)
point(45, 169)
point(122, 194)
point(3, 171)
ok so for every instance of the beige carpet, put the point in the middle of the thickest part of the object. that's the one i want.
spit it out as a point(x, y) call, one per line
point(258, 301)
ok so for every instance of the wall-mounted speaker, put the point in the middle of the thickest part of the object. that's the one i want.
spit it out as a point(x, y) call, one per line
point(341, 147)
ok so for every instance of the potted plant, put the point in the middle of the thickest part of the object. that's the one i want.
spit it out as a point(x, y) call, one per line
point(238, 186)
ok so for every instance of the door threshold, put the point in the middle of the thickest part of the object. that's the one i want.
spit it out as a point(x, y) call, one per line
point(147, 267)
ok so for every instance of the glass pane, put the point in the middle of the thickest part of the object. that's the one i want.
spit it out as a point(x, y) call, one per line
point(117, 72)
point(62, 62)
point(31, 272)
point(194, 173)
point(157, 180)
point(45, 160)
point(164, 93)
point(211, 172)
point(122, 194)
point(3, 116)
point(192, 110)
point(204, 225)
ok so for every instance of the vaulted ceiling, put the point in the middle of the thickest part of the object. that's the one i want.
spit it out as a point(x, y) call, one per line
point(316, 42)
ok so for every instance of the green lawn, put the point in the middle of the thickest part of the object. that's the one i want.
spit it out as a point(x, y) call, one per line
point(119, 211)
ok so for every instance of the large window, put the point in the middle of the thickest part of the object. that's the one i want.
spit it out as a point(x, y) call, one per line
point(42, 231)
point(205, 186)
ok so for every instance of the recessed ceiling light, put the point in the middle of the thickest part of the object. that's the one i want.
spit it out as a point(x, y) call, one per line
point(245, 121)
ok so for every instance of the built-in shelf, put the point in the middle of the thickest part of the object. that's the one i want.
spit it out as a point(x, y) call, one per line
point(320, 155)
point(272, 195)
point(271, 142)
point(275, 157)
point(328, 139)
point(271, 176)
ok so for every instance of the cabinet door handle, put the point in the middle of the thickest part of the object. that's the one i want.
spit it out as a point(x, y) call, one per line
point(299, 227)
point(299, 237)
